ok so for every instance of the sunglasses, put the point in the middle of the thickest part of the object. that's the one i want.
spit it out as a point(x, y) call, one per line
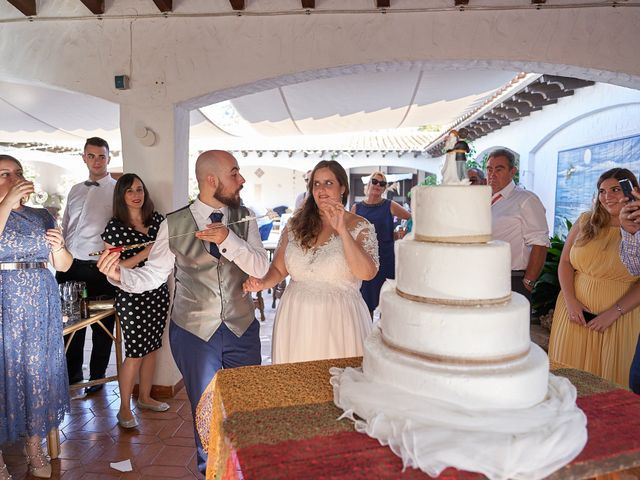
point(375, 181)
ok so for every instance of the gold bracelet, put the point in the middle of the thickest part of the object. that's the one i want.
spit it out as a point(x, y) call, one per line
point(56, 251)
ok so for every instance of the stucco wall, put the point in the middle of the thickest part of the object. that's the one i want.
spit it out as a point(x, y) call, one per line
point(195, 59)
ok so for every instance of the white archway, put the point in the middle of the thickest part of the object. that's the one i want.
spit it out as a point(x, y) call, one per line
point(183, 59)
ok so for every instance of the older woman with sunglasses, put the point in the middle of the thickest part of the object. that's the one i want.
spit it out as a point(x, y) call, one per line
point(379, 211)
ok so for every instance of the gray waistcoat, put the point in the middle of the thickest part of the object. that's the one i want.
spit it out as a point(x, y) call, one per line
point(207, 291)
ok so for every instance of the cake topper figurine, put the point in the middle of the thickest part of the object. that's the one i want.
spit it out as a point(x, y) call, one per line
point(454, 170)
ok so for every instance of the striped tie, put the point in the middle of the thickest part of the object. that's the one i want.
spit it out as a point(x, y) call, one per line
point(216, 217)
point(496, 198)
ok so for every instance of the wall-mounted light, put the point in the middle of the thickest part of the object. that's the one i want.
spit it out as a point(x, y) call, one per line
point(145, 135)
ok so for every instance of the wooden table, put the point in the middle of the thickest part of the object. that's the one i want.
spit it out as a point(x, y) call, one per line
point(99, 310)
point(279, 422)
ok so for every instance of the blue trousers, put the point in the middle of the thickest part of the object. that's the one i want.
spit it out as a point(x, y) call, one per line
point(634, 374)
point(198, 362)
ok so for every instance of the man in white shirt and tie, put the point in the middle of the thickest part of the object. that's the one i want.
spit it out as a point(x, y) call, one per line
point(518, 218)
point(89, 208)
point(211, 246)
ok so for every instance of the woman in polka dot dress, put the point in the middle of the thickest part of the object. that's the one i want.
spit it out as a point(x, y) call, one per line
point(142, 315)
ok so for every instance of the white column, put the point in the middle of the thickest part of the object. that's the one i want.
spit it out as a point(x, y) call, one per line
point(163, 165)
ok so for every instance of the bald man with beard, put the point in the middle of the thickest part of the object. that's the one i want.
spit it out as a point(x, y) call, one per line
point(212, 322)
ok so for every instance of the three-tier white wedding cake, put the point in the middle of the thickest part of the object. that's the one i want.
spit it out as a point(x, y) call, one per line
point(450, 326)
point(450, 377)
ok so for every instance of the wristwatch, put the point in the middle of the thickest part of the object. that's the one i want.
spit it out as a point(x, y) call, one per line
point(528, 283)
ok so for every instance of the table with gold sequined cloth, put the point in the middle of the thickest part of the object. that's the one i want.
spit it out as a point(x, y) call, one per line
point(279, 422)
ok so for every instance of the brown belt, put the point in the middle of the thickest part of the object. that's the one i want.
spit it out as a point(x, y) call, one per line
point(21, 265)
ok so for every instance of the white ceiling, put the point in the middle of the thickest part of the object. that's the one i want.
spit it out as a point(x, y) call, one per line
point(31, 113)
point(345, 112)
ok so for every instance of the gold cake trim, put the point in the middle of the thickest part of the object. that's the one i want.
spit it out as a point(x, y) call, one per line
point(454, 239)
point(444, 359)
point(452, 302)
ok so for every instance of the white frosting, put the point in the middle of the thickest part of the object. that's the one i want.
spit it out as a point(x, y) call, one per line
point(518, 384)
point(451, 329)
point(454, 272)
point(480, 332)
point(451, 211)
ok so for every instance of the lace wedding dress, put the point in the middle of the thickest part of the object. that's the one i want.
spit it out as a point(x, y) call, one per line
point(322, 314)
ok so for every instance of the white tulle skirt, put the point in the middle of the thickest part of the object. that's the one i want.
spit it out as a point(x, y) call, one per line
point(430, 435)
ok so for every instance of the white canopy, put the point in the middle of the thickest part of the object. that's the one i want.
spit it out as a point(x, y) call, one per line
point(362, 112)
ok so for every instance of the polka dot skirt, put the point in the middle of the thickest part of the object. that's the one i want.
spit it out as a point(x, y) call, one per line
point(142, 315)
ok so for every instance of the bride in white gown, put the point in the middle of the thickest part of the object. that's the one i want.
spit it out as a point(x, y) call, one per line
point(328, 252)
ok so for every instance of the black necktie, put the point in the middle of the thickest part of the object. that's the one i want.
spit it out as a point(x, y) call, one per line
point(216, 217)
point(89, 183)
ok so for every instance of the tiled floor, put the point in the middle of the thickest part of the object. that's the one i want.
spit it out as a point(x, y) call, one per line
point(162, 447)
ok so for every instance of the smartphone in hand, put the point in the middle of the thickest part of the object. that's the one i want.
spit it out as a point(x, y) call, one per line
point(588, 316)
point(627, 188)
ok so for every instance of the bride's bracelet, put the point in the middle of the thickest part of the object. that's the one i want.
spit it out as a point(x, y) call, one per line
point(619, 309)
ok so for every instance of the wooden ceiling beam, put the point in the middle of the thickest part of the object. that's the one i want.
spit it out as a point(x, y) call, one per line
point(26, 7)
point(237, 4)
point(476, 130)
point(509, 113)
point(536, 99)
point(551, 91)
point(566, 83)
point(308, 4)
point(523, 108)
point(164, 5)
point(95, 6)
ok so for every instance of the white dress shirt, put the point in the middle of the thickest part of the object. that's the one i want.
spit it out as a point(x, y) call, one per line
point(250, 256)
point(88, 211)
point(518, 218)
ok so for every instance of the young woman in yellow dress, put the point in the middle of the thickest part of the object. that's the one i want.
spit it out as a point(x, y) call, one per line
point(596, 322)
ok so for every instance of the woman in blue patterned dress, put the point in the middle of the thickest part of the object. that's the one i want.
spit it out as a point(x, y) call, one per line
point(34, 393)
point(142, 315)
point(379, 211)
